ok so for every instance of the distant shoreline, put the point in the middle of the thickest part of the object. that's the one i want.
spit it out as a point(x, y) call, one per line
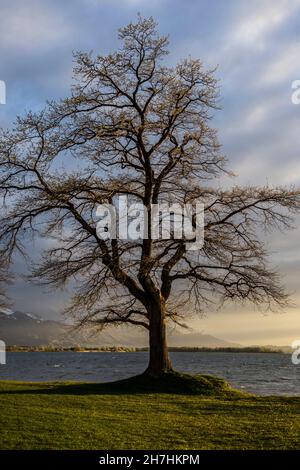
point(120, 349)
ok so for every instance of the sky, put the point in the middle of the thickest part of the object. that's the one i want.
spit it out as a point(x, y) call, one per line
point(256, 46)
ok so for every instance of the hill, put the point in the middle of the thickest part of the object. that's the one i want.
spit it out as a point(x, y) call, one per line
point(25, 329)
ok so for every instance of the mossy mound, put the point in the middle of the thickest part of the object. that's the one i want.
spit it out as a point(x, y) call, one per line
point(174, 383)
point(167, 383)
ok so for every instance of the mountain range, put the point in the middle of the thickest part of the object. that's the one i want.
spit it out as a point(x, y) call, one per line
point(25, 329)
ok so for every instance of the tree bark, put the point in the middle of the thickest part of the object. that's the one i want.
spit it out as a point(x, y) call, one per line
point(159, 360)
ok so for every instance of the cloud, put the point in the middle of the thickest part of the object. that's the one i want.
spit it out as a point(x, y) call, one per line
point(283, 68)
point(252, 117)
point(125, 3)
point(256, 45)
point(266, 16)
point(32, 26)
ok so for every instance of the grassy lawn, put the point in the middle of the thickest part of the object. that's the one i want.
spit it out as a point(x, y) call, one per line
point(182, 413)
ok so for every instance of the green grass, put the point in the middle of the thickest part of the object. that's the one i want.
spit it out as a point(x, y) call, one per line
point(177, 412)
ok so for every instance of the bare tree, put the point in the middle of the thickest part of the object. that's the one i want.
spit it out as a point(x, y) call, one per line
point(5, 278)
point(133, 126)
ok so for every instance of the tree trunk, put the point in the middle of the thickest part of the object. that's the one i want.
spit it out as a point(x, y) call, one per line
point(159, 360)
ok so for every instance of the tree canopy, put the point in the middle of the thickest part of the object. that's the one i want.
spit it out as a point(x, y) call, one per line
point(137, 127)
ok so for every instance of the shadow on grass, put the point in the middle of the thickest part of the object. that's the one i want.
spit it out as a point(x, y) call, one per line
point(171, 383)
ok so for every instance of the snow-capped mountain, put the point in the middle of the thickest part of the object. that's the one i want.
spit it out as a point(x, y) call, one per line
point(25, 329)
point(6, 313)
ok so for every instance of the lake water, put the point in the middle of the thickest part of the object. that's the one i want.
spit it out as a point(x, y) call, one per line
point(263, 374)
